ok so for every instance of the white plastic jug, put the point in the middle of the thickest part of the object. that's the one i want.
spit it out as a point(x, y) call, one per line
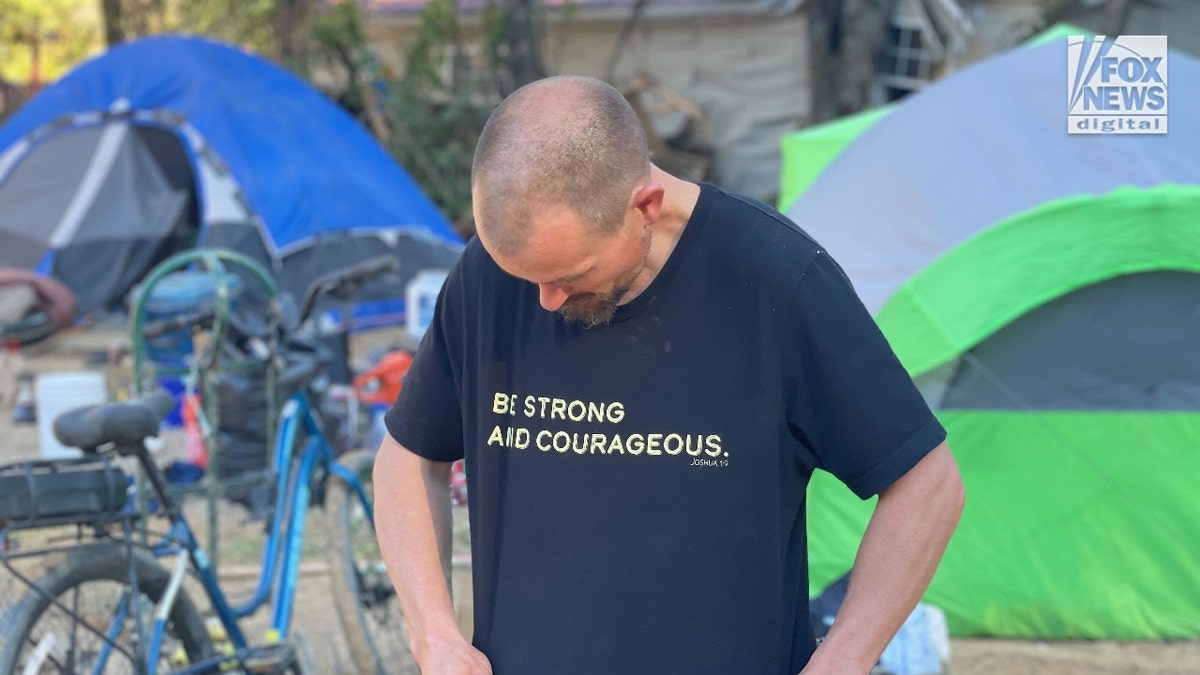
point(56, 393)
point(420, 296)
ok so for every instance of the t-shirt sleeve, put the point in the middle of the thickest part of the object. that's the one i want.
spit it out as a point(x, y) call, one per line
point(850, 401)
point(427, 416)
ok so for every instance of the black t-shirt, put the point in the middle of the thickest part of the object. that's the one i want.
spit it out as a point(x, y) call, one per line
point(637, 489)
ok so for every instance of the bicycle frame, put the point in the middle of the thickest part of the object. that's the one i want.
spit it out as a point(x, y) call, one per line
point(297, 471)
point(280, 568)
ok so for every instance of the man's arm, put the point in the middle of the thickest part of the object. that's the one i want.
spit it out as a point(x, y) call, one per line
point(899, 553)
point(413, 524)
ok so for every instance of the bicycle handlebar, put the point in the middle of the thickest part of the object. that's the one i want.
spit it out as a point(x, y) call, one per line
point(343, 282)
point(339, 283)
point(170, 324)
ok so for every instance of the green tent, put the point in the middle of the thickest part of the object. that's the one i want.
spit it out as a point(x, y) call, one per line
point(805, 154)
point(1043, 289)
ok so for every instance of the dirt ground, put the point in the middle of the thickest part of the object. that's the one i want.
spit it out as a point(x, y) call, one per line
point(321, 632)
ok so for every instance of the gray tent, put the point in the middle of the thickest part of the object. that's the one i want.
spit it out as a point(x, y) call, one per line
point(111, 200)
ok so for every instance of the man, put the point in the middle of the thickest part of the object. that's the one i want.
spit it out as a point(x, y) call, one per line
point(642, 374)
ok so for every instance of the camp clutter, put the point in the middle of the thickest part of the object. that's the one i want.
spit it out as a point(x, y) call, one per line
point(166, 143)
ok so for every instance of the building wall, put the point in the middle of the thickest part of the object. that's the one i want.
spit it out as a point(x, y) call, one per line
point(748, 74)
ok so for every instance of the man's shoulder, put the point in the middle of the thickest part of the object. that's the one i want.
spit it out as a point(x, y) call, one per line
point(760, 237)
point(756, 217)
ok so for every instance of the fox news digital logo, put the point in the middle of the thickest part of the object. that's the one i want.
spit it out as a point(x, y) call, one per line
point(1117, 86)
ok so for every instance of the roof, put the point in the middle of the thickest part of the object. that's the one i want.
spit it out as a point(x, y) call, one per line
point(403, 8)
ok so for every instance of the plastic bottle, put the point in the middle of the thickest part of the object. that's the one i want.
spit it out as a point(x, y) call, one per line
point(25, 408)
point(377, 430)
point(420, 296)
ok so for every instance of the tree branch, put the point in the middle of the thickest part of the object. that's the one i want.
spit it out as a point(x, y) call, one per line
point(626, 32)
point(110, 10)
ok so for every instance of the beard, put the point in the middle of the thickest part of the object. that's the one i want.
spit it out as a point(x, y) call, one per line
point(597, 309)
point(593, 309)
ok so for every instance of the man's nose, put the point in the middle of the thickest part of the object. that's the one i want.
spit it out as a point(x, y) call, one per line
point(552, 296)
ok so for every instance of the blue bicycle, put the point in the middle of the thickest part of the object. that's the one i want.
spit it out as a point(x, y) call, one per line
point(117, 603)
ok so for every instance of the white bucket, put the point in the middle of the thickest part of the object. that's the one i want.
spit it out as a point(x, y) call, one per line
point(56, 393)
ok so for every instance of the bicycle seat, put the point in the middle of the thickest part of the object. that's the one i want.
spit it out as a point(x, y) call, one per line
point(126, 423)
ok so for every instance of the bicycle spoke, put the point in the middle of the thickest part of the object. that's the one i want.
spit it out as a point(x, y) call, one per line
point(114, 632)
point(87, 625)
point(366, 602)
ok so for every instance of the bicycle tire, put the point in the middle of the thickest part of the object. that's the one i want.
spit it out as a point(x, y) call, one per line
point(366, 603)
point(98, 563)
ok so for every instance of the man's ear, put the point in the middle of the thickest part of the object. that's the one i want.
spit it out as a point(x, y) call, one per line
point(648, 200)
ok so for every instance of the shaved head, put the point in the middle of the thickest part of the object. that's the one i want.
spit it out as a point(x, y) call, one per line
point(562, 141)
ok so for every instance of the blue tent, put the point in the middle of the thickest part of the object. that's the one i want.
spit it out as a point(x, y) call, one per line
point(169, 142)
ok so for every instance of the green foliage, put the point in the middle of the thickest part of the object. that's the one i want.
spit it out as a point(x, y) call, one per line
point(437, 140)
point(438, 32)
point(494, 25)
point(339, 46)
point(64, 32)
point(442, 103)
point(339, 30)
point(246, 23)
point(428, 117)
point(568, 13)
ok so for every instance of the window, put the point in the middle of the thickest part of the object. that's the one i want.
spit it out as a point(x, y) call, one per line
point(913, 52)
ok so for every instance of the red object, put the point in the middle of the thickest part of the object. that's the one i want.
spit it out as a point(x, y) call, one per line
point(458, 483)
point(381, 384)
point(195, 451)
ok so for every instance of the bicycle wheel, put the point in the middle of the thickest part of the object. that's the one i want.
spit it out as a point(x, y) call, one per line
point(366, 602)
point(94, 584)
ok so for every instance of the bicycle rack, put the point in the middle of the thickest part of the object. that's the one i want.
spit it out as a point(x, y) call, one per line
point(221, 264)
